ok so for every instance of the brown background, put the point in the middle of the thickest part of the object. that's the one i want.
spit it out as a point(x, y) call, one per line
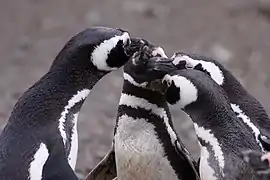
point(236, 32)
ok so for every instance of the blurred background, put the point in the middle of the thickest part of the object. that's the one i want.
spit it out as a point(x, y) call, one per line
point(32, 32)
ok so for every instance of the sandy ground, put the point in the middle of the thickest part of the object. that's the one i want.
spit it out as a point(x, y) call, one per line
point(236, 32)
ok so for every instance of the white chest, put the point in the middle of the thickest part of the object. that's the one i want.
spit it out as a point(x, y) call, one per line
point(206, 171)
point(72, 156)
point(139, 153)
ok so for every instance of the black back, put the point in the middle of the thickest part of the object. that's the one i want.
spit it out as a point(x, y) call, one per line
point(237, 94)
point(212, 111)
point(35, 117)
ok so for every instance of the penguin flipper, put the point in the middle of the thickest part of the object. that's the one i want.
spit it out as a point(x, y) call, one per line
point(186, 156)
point(198, 164)
point(106, 169)
point(57, 167)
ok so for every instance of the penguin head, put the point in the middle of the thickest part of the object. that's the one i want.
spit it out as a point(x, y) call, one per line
point(189, 87)
point(101, 48)
point(209, 66)
point(142, 68)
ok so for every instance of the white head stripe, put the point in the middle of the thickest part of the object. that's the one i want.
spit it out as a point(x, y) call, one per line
point(100, 54)
point(177, 59)
point(188, 91)
point(215, 72)
point(159, 51)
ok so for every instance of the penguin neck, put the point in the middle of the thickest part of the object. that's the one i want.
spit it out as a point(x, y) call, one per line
point(60, 90)
point(239, 96)
point(221, 138)
point(144, 103)
point(76, 76)
point(153, 97)
point(212, 114)
point(144, 117)
point(217, 120)
point(232, 86)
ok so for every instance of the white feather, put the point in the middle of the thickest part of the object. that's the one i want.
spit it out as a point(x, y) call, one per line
point(215, 72)
point(159, 51)
point(247, 121)
point(39, 159)
point(72, 157)
point(101, 52)
point(81, 95)
point(130, 79)
point(136, 102)
point(188, 92)
point(139, 154)
point(209, 137)
point(206, 171)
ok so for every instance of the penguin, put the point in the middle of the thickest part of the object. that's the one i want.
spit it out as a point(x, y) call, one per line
point(146, 145)
point(259, 162)
point(106, 168)
point(40, 139)
point(246, 107)
point(221, 136)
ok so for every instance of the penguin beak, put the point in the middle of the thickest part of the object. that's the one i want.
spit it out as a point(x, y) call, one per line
point(159, 67)
point(163, 65)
